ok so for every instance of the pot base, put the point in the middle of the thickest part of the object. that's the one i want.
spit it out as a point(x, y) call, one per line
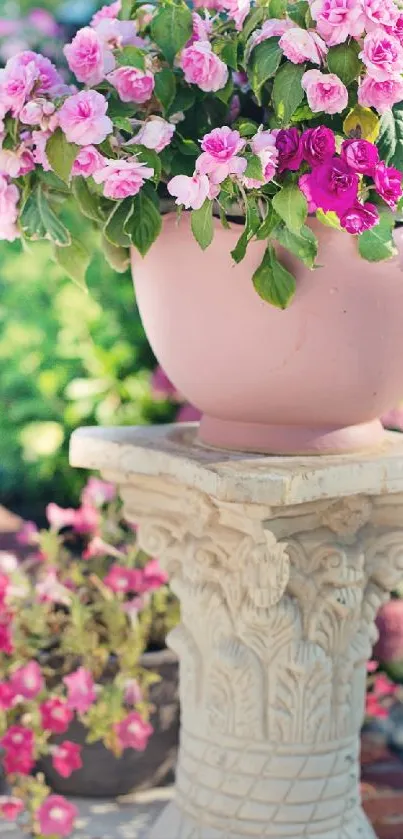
point(289, 439)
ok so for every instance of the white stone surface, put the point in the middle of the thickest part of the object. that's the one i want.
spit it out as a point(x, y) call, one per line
point(281, 565)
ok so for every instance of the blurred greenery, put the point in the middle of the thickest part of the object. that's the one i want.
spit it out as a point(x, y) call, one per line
point(67, 358)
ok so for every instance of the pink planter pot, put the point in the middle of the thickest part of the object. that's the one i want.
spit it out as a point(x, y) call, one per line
point(313, 378)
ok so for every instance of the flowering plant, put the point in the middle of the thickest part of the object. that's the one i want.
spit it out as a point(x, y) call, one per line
point(270, 112)
point(75, 617)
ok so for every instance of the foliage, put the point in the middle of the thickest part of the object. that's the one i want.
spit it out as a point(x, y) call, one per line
point(75, 618)
point(281, 139)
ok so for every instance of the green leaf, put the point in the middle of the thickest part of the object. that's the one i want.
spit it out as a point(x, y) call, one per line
point(225, 93)
point(287, 91)
point(254, 167)
point(114, 227)
point(303, 114)
point(246, 127)
point(144, 223)
point(186, 146)
point(329, 219)
point(202, 224)
point(131, 57)
point(118, 258)
point(147, 156)
point(74, 259)
point(390, 141)
point(291, 206)
point(273, 282)
point(268, 224)
point(116, 108)
point(264, 62)
point(171, 28)
point(86, 200)
point(123, 123)
point(38, 221)
point(377, 244)
point(304, 246)
point(61, 154)
point(278, 8)
point(253, 21)
point(252, 224)
point(184, 99)
point(344, 62)
point(228, 51)
point(165, 87)
point(298, 12)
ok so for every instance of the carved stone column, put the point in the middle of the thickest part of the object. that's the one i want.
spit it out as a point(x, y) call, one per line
point(280, 565)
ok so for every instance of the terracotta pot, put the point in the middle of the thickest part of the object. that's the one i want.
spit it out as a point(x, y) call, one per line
point(105, 776)
point(312, 378)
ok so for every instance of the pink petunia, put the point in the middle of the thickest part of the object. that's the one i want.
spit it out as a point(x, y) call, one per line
point(56, 816)
point(81, 690)
point(66, 758)
point(97, 492)
point(27, 681)
point(133, 732)
point(11, 807)
point(56, 715)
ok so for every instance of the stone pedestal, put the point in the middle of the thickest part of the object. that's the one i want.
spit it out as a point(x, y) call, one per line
point(280, 565)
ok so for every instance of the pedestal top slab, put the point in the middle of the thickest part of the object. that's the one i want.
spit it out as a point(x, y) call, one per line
point(173, 451)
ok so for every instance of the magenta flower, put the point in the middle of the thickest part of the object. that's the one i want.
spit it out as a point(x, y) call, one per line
point(361, 156)
point(86, 520)
point(6, 696)
point(122, 580)
point(27, 681)
point(388, 183)
point(56, 816)
point(290, 149)
point(18, 745)
point(83, 119)
point(81, 690)
point(11, 807)
point(332, 186)
point(66, 758)
point(153, 577)
point(4, 588)
point(133, 732)
point(6, 642)
point(56, 715)
point(359, 218)
point(318, 144)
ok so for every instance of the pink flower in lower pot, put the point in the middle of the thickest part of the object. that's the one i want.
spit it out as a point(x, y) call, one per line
point(81, 690)
point(67, 758)
point(27, 681)
point(133, 732)
point(18, 745)
point(56, 715)
point(56, 816)
point(10, 807)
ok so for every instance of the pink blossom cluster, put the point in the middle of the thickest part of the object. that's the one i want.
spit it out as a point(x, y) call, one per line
point(380, 695)
point(220, 159)
point(335, 180)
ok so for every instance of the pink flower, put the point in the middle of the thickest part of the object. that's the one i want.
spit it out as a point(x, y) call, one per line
point(43, 22)
point(133, 732)
point(380, 95)
point(263, 144)
point(6, 641)
point(338, 20)
point(56, 816)
point(6, 696)
point(152, 578)
point(28, 533)
point(60, 517)
point(237, 10)
point(9, 197)
point(359, 218)
point(27, 681)
point(133, 694)
point(382, 56)
point(325, 92)
point(40, 139)
point(4, 588)
point(121, 580)
point(361, 156)
point(18, 745)
point(81, 690)
point(83, 118)
point(222, 143)
point(87, 58)
point(86, 518)
point(96, 493)
point(56, 715)
point(115, 34)
point(380, 13)
point(67, 758)
point(299, 45)
point(397, 29)
point(132, 84)
point(122, 178)
point(16, 163)
point(88, 161)
point(202, 27)
point(273, 28)
point(50, 590)
point(388, 183)
point(191, 192)
point(202, 67)
point(107, 12)
point(16, 84)
point(37, 112)
point(47, 78)
point(155, 134)
point(290, 150)
point(332, 186)
point(319, 145)
point(10, 807)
